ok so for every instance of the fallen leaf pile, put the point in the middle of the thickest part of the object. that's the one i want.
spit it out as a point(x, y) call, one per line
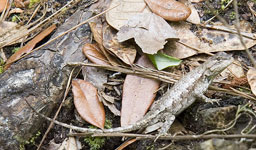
point(160, 41)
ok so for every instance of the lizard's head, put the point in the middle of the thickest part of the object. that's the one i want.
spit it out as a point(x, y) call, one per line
point(217, 64)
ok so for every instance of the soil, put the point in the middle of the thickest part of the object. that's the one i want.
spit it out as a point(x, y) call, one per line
point(189, 118)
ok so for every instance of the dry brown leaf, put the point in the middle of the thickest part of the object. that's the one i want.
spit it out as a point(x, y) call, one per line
point(93, 53)
point(149, 31)
point(2, 4)
point(97, 31)
point(29, 46)
point(138, 95)
point(125, 52)
point(251, 77)
point(170, 10)
point(87, 103)
point(21, 3)
point(118, 16)
point(210, 41)
point(126, 143)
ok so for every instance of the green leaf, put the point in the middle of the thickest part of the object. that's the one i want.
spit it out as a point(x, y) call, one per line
point(162, 61)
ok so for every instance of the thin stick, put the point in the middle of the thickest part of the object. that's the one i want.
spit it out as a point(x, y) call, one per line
point(64, 33)
point(237, 26)
point(167, 137)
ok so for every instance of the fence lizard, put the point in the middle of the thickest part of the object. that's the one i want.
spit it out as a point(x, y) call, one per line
point(189, 88)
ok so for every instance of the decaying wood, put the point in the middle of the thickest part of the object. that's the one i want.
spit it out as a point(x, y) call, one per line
point(39, 78)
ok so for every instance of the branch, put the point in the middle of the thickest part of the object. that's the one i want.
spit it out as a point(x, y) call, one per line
point(167, 137)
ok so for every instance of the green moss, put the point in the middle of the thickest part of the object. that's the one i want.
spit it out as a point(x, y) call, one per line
point(1, 65)
point(15, 50)
point(96, 143)
point(32, 140)
point(15, 18)
point(33, 2)
point(232, 15)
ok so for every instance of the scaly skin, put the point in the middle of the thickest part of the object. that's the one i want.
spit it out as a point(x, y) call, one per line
point(174, 101)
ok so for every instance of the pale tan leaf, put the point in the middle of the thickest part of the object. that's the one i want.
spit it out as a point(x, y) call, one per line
point(209, 41)
point(251, 77)
point(149, 31)
point(194, 16)
point(125, 52)
point(138, 95)
point(87, 103)
point(118, 16)
point(234, 70)
point(9, 32)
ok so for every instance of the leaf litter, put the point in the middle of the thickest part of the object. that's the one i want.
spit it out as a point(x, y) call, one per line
point(150, 32)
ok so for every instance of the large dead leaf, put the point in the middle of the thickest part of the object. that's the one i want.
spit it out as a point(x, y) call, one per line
point(138, 95)
point(124, 51)
point(209, 41)
point(118, 16)
point(251, 77)
point(2, 4)
point(29, 46)
point(87, 103)
point(149, 31)
point(170, 10)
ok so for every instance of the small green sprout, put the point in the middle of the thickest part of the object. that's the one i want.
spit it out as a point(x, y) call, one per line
point(96, 143)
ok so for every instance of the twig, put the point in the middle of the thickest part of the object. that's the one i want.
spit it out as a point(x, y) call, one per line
point(237, 26)
point(158, 75)
point(167, 137)
point(135, 70)
point(64, 33)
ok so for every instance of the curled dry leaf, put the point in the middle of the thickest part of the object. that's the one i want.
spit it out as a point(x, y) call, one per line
point(149, 31)
point(93, 53)
point(118, 16)
point(138, 95)
point(251, 77)
point(125, 52)
point(29, 46)
point(87, 103)
point(170, 10)
point(97, 31)
point(3, 4)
